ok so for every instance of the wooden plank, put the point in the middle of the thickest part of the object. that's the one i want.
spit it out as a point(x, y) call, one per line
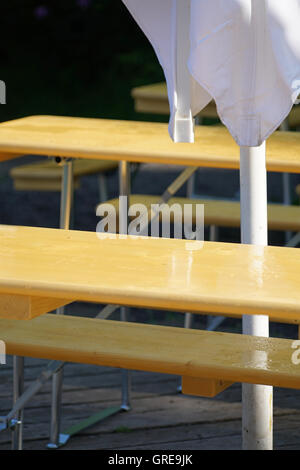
point(150, 272)
point(25, 307)
point(191, 353)
point(157, 417)
point(147, 413)
point(54, 170)
point(86, 393)
point(153, 99)
point(91, 139)
point(44, 184)
point(156, 420)
point(203, 387)
point(157, 91)
point(151, 106)
point(47, 175)
point(223, 213)
point(125, 437)
point(207, 435)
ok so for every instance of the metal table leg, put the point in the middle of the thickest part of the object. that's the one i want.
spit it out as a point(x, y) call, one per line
point(18, 387)
point(57, 380)
point(124, 191)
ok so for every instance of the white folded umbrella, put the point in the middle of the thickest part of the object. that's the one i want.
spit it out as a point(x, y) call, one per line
point(245, 54)
point(246, 59)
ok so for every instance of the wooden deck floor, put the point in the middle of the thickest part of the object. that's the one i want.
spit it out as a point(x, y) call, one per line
point(160, 417)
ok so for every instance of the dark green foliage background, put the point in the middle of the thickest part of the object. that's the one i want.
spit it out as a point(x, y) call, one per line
point(75, 61)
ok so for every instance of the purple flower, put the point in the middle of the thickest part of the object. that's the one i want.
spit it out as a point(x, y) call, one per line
point(41, 12)
point(83, 3)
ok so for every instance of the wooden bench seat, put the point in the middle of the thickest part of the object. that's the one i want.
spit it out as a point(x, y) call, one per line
point(224, 213)
point(92, 139)
point(47, 175)
point(176, 275)
point(195, 355)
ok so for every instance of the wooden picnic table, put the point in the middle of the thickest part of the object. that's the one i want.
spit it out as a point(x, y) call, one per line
point(46, 267)
point(125, 140)
point(137, 142)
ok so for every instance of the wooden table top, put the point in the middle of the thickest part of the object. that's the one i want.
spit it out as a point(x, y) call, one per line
point(137, 142)
point(170, 274)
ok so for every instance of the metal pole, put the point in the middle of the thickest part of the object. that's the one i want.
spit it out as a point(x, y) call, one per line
point(103, 192)
point(66, 195)
point(18, 387)
point(257, 399)
point(286, 182)
point(57, 380)
point(124, 191)
point(183, 120)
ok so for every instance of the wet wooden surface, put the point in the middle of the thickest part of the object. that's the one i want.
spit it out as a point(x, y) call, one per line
point(159, 273)
point(92, 139)
point(160, 417)
point(214, 357)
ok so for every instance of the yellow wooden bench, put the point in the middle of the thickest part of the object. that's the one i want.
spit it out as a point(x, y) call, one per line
point(153, 99)
point(198, 356)
point(223, 213)
point(47, 175)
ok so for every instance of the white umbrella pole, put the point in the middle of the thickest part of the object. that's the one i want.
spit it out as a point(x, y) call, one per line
point(257, 399)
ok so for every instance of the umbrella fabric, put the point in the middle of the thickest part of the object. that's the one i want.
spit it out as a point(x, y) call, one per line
point(157, 19)
point(245, 54)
